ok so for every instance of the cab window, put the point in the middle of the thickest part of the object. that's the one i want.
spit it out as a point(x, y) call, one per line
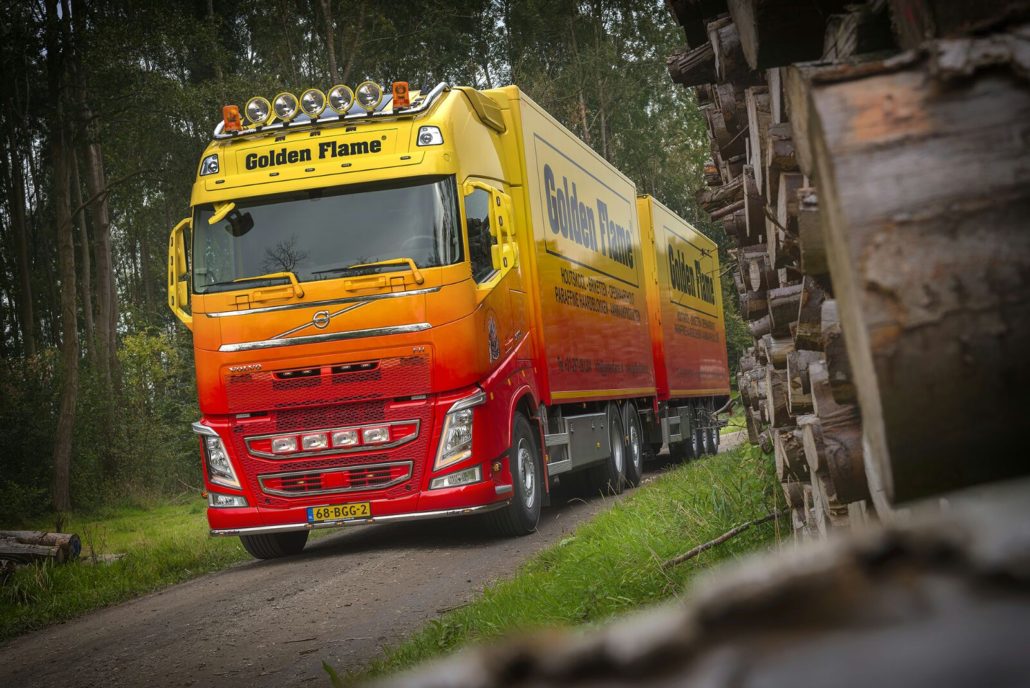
point(477, 218)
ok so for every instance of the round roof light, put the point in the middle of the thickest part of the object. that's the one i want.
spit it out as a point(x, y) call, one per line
point(369, 95)
point(285, 106)
point(312, 102)
point(341, 98)
point(258, 110)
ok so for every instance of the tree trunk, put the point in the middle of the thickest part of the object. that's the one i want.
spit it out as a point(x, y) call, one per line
point(61, 494)
point(330, 39)
point(85, 278)
point(16, 198)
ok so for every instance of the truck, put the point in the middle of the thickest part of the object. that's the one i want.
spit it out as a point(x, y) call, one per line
point(418, 304)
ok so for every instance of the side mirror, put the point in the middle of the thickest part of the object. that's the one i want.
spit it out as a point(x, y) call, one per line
point(178, 273)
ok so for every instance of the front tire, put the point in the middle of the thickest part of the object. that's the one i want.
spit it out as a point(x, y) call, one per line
point(522, 514)
point(275, 545)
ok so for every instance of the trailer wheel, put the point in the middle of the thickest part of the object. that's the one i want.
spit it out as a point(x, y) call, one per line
point(712, 441)
point(697, 443)
point(522, 514)
point(611, 475)
point(634, 435)
point(275, 545)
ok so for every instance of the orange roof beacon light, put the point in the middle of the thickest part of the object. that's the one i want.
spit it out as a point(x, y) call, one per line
point(231, 118)
point(400, 95)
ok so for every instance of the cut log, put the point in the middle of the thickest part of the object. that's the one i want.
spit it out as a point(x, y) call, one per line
point(68, 542)
point(761, 275)
point(787, 202)
point(863, 29)
point(760, 327)
point(753, 305)
point(777, 109)
point(730, 65)
point(774, 33)
point(838, 453)
point(789, 455)
point(799, 398)
point(809, 332)
point(917, 20)
point(754, 207)
point(776, 397)
point(837, 364)
point(25, 554)
point(783, 307)
point(756, 99)
point(776, 349)
point(811, 250)
point(752, 426)
point(719, 196)
point(779, 152)
point(692, 67)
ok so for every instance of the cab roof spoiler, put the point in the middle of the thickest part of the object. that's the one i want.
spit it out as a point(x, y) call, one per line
point(420, 103)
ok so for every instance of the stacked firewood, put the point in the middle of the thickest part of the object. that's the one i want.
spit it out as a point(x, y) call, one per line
point(27, 546)
point(871, 161)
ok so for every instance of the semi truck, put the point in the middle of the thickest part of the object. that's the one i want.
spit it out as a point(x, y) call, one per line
point(421, 304)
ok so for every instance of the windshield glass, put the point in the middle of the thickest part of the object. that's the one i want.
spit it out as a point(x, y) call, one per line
point(319, 234)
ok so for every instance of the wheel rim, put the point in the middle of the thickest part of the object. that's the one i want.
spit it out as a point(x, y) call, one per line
point(634, 446)
point(527, 473)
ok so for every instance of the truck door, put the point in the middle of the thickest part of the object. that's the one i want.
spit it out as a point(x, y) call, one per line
point(493, 254)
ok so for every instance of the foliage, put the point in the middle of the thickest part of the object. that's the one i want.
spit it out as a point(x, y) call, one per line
point(144, 83)
point(612, 564)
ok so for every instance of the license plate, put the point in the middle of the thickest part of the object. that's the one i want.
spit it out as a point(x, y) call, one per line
point(339, 512)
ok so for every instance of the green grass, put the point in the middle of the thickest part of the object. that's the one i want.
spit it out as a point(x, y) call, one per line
point(162, 545)
point(736, 422)
point(612, 564)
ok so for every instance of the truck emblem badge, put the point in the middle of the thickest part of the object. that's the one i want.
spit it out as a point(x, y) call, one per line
point(495, 345)
point(321, 319)
point(249, 368)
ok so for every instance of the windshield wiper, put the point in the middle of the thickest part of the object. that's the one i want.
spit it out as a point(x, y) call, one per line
point(298, 291)
point(408, 262)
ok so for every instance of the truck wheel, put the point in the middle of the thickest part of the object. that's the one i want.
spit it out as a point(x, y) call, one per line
point(697, 443)
point(275, 545)
point(712, 441)
point(611, 475)
point(522, 514)
point(634, 435)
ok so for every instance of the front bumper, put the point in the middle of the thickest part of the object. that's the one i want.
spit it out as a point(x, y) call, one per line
point(389, 518)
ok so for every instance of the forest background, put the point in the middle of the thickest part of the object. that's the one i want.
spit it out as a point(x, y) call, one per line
point(105, 108)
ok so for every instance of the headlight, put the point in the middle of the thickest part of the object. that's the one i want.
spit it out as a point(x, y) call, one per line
point(341, 98)
point(429, 136)
point(209, 165)
point(369, 95)
point(285, 106)
point(312, 102)
point(258, 110)
point(456, 438)
point(216, 458)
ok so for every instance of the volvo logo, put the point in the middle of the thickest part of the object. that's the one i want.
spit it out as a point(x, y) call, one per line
point(321, 319)
point(249, 368)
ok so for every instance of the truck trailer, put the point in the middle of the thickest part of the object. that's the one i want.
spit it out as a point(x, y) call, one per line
point(423, 304)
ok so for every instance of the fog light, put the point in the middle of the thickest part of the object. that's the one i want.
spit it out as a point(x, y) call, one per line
point(429, 136)
point(369, 94)
point(285, 106)
point(258, 110)
point(457, 479)
point(284, 445)
point(345, 438)
point(224, 501)
point(341, 98)
point(377, 435)
point(318, 441)
point(312, 102)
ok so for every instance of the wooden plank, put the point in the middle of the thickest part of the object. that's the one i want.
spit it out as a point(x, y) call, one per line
point(756, 99)
point(929, 258)
point(692, 67)
point(811, 249)
point(774, 33)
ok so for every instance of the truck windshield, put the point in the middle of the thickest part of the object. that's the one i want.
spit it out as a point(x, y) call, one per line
point(319, 234)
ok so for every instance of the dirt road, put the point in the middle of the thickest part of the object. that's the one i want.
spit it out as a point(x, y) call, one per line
point(272, 623)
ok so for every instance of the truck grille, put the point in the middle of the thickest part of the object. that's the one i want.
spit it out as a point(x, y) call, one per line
point(299, 479)
point(335, 383)
point(337, 480)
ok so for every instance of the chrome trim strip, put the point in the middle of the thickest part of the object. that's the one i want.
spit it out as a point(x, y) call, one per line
point(329, 319)
point(336, 490)
point(334, 450)
point(503, 489)
point(477, 398)
point(328, 337)
point(202, 429)
point(316, 304)
point(393, 518)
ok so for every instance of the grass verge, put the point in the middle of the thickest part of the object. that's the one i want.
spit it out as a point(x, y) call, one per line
point(161, 545)
point(612, 564)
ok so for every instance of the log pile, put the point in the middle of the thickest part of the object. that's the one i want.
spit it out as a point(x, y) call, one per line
point(870, 160)
point(27, 546)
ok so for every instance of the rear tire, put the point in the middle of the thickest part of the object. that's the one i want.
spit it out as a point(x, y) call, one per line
point(712, 441)
point(698, 443)
point(611, 475)
point(275, 545)
point(634, 434)
point(522, 514)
